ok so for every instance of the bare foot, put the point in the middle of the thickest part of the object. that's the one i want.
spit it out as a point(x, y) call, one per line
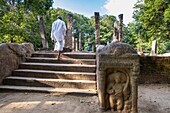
point(58, 58)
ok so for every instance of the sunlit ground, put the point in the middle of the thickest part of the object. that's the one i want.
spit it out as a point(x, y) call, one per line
point(46, 103)
point(151, 99)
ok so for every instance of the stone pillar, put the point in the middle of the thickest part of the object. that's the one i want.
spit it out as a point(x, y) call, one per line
point(42, 32)
point(118, 67)
point(93, 47)
point(97, 29)
point(120, 28)
point(140, 43)
point(68, 40)
point(154, 47)
point(80, 41)
point(76, 44)
point(116, 32)
point(73, 43)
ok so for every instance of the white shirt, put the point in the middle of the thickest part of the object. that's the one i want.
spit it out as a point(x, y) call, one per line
point(58, 30)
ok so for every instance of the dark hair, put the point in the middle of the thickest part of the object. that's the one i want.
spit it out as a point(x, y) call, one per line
point(59, 17)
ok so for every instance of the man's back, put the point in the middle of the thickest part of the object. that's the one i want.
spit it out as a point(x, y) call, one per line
point(58, 29)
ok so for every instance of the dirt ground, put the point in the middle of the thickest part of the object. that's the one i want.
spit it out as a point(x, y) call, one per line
point(151, 99)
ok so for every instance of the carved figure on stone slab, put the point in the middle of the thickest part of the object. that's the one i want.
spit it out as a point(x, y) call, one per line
point(127, 106)
point(117, 90)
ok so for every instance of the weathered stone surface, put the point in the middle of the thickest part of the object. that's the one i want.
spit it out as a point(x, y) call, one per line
point(97, 28)
point(11, 55)
point(117, 49)
point(68, 40)
point(117, 70)
point(154, 70)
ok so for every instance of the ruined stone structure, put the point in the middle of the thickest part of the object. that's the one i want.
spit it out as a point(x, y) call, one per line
point(116, 32)
point(80, 45)
point(43, 32)
point(68, 40)
point(120, 28)
point(117, 70)
point(11, 55)
point(154, 48)
point(97, 28)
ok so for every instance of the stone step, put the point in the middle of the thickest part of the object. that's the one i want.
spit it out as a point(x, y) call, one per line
point(59, 67)
point(63, 60)
point(75, 55)
point(48, 90)
point(43, 82)
point(54, 74)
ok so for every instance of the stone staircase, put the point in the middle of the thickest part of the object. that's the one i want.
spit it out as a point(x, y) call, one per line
point(74, 73)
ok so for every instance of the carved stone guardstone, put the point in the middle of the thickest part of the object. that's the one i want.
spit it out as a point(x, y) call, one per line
point(117, 70)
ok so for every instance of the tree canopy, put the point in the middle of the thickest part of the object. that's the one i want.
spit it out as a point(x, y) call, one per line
point(18, 23)
point(152, 22)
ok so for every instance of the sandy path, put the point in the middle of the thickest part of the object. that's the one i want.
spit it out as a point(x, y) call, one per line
point(152, 99)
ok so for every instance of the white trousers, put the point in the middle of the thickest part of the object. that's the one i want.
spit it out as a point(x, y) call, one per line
point(58, 45)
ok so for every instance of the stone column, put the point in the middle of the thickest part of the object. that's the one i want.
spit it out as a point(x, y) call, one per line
point(68, 40)
point(154, 47)
point(42, 32)
point(76, 44)
point(140, 42)
point(97, 28)
point(73, 43)
point(120, 28)
point(80, 41)
point(116, 32)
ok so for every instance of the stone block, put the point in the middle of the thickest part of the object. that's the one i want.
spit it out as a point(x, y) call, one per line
point(117, 71)
point(11, 55)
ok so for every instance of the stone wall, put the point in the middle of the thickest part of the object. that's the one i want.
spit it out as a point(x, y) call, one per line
point(154, 70)
point(11, 55)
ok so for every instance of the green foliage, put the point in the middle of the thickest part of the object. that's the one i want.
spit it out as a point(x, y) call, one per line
point(18, 23)
point(130, 35)
point(106, 28)
point(85, 26)
point(152, 22)
point(11, 29)
point(18, 20)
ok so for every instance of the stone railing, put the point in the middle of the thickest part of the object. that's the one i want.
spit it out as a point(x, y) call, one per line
point(118, 67)
point(11, 55)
